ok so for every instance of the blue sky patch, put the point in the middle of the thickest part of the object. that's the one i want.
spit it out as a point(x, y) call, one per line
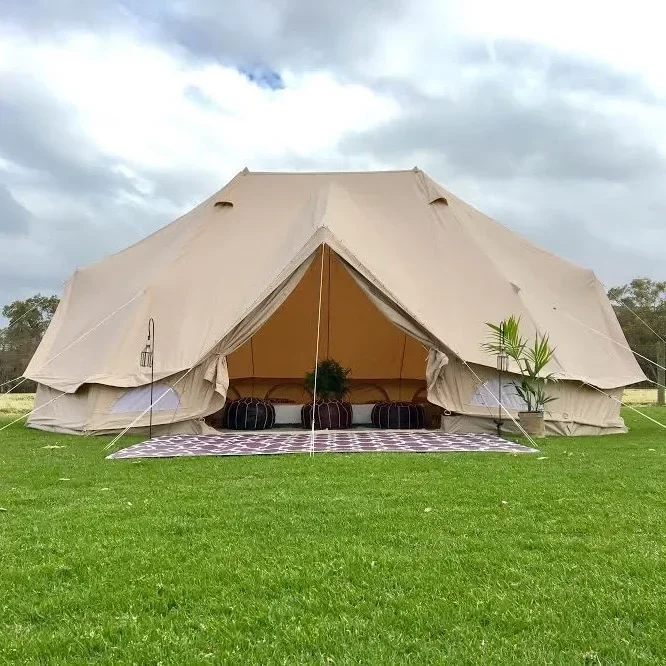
point(264, 77)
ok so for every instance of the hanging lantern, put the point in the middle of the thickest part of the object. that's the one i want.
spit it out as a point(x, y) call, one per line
point(147, 356)
point(502, 361)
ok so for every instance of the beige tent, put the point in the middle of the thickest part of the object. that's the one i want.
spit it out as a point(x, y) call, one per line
point(408, 276)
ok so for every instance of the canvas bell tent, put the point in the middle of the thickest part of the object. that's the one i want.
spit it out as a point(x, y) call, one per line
point(395, 276)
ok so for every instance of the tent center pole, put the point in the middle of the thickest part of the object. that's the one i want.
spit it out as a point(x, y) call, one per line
point(314, 388)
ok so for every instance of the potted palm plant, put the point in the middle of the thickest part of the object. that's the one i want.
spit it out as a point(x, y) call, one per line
point(531, 360)
point(331, 411)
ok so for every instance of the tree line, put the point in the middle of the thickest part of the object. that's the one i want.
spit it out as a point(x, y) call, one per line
point(28, 321)
point(640, 307)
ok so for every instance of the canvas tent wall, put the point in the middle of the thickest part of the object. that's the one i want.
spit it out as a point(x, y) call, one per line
point(216, 278)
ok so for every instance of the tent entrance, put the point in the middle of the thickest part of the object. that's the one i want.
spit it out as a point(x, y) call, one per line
point(386, 363)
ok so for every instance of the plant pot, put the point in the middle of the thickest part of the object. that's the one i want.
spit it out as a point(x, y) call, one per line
point(250, 414)
point(398, 416)
point(533, 423)
point(328, 415)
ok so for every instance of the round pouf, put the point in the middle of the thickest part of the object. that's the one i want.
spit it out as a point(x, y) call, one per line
point(216, 420)
point(250, 414)
point(329, 415)
point(398, 416)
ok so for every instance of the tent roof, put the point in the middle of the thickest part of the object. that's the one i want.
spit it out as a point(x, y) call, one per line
point(444, 263)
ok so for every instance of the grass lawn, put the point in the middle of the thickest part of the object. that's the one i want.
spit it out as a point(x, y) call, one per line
point(640, 396)
point(13, 404)
point(557, 557)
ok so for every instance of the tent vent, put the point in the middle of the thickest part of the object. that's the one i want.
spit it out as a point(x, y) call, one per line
point(441, 200)
point(223, 204)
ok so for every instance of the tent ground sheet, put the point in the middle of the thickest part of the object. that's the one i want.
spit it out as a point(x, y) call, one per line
point(271, 443)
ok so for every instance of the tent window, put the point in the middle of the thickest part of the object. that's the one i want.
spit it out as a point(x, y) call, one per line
point(223, 204)
point(138, 399)
point(487, 394)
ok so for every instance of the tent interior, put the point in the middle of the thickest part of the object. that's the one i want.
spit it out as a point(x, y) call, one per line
point(385, 362)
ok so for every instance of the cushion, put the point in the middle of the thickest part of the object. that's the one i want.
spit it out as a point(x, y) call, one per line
point(398, 416)
point(250, 414)
point(329, 415)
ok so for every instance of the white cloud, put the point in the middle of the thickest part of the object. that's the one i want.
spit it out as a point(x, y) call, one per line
point(627, 35)
point(129, 98)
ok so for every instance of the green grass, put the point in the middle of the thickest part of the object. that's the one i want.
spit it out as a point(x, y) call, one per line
point(640, 396)
point(553, 558)
point(14, 404)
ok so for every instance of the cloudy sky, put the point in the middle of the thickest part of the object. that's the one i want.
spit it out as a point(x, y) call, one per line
point(118, 115)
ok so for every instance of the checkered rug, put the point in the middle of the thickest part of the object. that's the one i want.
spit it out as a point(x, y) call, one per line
point(271, 443)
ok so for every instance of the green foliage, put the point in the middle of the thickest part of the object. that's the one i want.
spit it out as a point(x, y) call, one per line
point(530, 358)
point(647, 299)
point(28, 321)
point(506, 336)
point(455, 558)
point(332, 380)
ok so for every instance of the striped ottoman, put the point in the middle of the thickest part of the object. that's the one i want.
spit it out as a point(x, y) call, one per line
point(328, 415)
point(250, 414)
point(398, 416)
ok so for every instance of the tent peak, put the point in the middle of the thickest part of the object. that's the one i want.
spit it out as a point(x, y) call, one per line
point(330, 173)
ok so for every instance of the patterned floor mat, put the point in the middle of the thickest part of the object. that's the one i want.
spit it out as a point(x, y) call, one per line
point(273, 443)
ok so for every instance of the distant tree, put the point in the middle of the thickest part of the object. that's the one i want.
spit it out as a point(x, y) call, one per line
point(647, 299)
point(28, 321)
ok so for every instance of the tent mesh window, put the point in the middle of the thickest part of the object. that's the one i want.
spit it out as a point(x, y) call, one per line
point(328, 415)
point(137, 399)
point(398, 416)
point(250, 414)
